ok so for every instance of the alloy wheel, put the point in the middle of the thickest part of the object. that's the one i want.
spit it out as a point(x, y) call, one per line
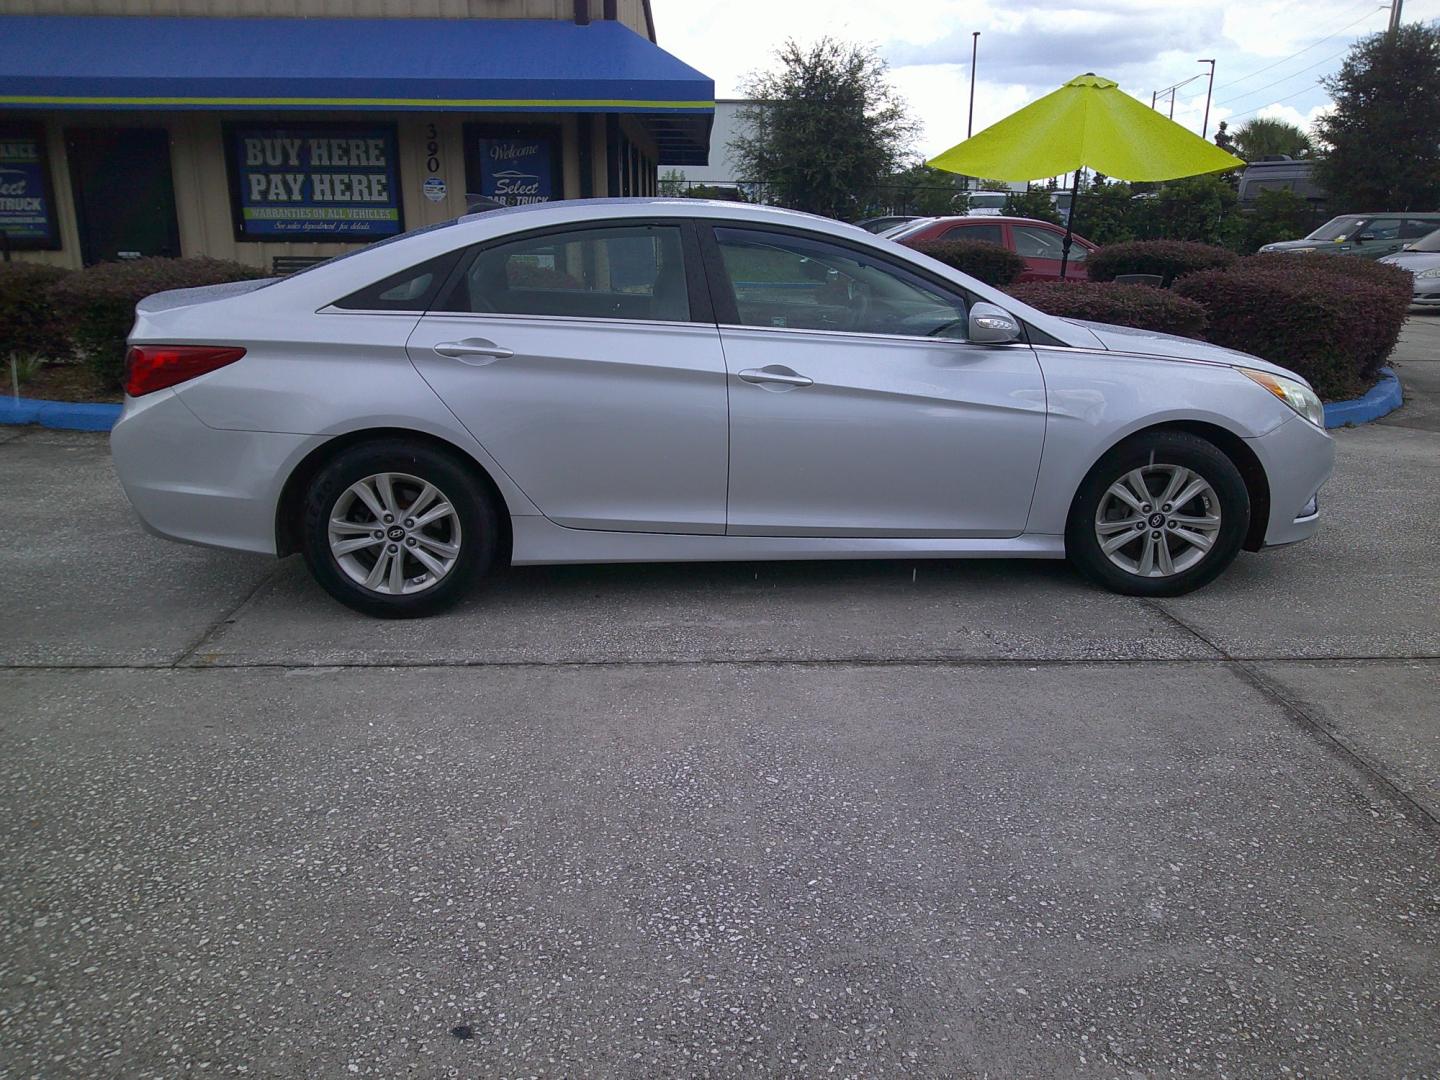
point(1158, 520)
point(394, 533)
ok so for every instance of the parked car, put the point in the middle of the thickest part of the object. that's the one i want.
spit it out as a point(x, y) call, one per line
point(756, 384)
point(988, 203)
point(1039, 243)
point(1422, 259)
point(1368, 235)
point(1279, 173)
point(889, 221)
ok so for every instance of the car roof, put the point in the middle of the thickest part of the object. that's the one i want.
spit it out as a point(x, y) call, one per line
point(976, 219)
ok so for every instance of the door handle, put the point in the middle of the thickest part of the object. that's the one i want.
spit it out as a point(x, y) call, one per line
point(784, 376)
point(473, 347)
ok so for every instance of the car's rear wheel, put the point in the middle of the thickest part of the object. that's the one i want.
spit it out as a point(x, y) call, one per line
point(397, 529)
point(1159, 515)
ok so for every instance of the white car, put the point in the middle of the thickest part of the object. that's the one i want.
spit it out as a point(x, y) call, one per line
point(646, 380)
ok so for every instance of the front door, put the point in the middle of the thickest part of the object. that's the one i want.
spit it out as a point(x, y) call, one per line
point(576, 359)
point(1042, 249)
point(856, 406)
point(124, 192)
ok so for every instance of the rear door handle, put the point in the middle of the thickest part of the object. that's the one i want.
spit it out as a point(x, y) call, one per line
point(775, 374)
point(473, 347)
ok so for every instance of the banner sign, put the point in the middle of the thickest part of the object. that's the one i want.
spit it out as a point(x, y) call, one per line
point(27, 207)
point(315, 182)
point(515, 170)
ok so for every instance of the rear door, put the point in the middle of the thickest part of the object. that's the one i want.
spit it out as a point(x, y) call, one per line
point(1041, 248)
point(587, 363)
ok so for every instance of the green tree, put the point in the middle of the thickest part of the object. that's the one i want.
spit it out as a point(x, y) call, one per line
point(1384, 133)
point(1105, 210)
point(1200, 208)
point(1033, 202)
point(1266, 137)
point(1278, 215)
point(921, 190)
point(825, 127)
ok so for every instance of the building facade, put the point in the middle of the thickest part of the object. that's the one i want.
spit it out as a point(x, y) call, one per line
point(279, 132)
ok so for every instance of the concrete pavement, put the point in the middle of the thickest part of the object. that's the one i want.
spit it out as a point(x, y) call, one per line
point(934, 819)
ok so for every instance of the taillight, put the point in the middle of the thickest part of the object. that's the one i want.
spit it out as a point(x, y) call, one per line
point(154, 367)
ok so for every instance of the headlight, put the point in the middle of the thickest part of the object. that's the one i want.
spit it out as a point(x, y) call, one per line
point(1434, 271)
point(1295, 394)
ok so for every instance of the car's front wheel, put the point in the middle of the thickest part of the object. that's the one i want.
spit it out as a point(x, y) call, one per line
point(1159, 515)
point(397, 529)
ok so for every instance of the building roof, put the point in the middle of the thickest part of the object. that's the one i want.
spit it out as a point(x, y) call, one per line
point(355, 65)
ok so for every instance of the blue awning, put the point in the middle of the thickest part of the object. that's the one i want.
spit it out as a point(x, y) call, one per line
point(354, 65)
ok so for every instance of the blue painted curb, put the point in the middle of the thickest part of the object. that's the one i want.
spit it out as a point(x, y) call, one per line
point(69, 415)
point(1384, 397)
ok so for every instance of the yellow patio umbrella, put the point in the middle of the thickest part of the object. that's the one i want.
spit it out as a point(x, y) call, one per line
point(1087, 123)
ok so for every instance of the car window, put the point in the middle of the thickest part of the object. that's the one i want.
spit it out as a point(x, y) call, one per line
point(990, 234)
point(622, 272)
point(1335, 229)
point(1414, 228)
point(1033, 243)
point(1431, 242)
point(795, 282)
point(1382, 229)
point(412, 289)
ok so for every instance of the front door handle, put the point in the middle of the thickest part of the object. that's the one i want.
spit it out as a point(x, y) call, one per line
point(473, 347)
point(775, 374)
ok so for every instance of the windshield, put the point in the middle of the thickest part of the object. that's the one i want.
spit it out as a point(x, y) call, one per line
point(1336, 228)
point(1427, 243)
point(906, 229)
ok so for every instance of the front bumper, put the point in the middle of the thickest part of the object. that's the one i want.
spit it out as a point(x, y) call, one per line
point(198, 484)
point(1298, 458)
point(1426, 292)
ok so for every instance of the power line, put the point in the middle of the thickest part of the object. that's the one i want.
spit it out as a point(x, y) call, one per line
point(1314, 44)
point(1287, 78)
point(1277, 101)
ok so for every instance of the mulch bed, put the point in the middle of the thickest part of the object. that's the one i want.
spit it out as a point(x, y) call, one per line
point(61, 382)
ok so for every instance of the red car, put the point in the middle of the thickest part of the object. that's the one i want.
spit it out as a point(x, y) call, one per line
point(1037, 242)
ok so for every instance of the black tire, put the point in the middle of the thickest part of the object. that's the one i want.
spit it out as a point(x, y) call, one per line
point(476, 518)
point(1159, 448)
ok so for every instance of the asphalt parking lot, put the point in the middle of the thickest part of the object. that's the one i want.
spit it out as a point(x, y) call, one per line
point(857, 819)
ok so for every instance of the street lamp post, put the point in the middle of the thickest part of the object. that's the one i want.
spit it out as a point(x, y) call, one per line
point(974, 51)
point(1209, 89)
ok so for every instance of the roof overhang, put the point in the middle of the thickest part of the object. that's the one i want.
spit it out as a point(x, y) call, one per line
point(356, 65)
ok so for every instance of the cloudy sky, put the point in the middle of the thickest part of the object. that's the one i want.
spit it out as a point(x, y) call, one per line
point(1269, 54)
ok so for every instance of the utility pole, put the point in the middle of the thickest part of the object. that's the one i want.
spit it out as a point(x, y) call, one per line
point(1394, 16)
point(974, 52)
point(1172, 101)
point(1210, 89)
point(1154, 95)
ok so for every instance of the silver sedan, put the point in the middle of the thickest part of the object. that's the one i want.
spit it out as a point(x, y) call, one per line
point(1422, 259)
point(673, 380)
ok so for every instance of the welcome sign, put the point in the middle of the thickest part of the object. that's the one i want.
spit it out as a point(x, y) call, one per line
point(27, 213)
point(515, 170)
point(306, 181)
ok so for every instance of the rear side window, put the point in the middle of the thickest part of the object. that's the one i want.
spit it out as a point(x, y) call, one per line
point(1413, 228)
point(623, 272)
point(1033, 243)
point(990, 234)
point(414, 289)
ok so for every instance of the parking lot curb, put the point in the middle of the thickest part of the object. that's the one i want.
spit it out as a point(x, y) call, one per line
point(1384, 397)
point(69, 415)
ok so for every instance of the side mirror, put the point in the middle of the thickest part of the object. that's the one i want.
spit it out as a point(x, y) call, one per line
point(1364, 236)
point(991, 325)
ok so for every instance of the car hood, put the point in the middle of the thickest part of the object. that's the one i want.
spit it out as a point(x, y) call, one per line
point(1413, 260)
point(202, 294)
point(1127, 339)
point(1298, 245)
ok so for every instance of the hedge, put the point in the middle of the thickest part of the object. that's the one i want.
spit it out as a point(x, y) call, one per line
point(1333, 325)
point(990, 263)
point(1170, 259)
point(1139, 306)
point(30, 324)
point(100, 302)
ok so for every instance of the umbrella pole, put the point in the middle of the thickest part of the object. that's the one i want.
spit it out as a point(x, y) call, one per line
point(1070, 225)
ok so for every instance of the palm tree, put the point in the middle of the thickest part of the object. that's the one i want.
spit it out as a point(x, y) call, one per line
point(1266, 137)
